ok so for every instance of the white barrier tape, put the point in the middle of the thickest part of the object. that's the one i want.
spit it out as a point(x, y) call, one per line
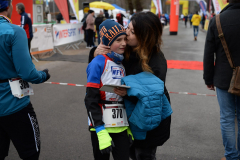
point(186, 93)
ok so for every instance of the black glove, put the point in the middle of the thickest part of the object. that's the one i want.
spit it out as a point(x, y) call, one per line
point(48, 75)
point(108, 149)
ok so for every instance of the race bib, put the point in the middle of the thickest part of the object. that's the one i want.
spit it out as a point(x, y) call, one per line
point(20, 88)
point(114, 115)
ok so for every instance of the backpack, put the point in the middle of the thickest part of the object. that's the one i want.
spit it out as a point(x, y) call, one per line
point(119, 17)
point(84, 25)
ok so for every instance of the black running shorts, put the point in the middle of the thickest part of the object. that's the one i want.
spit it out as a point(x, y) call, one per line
point(23, 130)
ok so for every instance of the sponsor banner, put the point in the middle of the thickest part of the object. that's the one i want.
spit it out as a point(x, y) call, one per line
point(206, 24)
point(76, 5)
point(153, 7)
point(203, 6)
point(222, 3)
point(63, 7)
point(67, 33)
point(73, 8)
point(216, 6)
point(158, 5)
point(174, 16)
point(42, 38)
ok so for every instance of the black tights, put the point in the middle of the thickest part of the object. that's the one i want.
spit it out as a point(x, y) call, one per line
point(33, 157)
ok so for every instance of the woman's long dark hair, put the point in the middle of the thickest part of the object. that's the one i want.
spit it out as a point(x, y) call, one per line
point(148, 31)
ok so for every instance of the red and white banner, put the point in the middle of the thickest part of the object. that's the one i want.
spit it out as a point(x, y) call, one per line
point(217, 6)
point(63, 7)
point(158, 5)
point(67, 33)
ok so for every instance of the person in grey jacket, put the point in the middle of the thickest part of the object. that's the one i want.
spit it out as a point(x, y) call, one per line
point(218, 73)
point(90, 28)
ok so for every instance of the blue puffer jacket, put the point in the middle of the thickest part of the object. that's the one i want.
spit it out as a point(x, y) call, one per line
point(152, 106)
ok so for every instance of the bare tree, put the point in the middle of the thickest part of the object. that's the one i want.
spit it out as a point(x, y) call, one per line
point(130, 6)
point(138, 5)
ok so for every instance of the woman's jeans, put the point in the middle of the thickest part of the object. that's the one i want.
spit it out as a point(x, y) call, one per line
point(228, 104)
point(195, 30)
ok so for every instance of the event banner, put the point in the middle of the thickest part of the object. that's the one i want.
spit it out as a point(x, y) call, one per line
point(174, 16)
point(217, 6)
point(223, 3)
point(206, 24)
point(63, 7)
point(73, 8)
point(158, 5)
point(42, 38)
point(153, 8)
point(203, 6)
point(67, 33)
point(76, 5)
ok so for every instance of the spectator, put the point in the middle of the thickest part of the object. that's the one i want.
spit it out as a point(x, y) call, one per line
point(100, 18)
point(120, 18)
point(90, 21)
point(196, 19)
point(203, 20)
point(84, 27)
point(18, 121)
point(218, 73)
point(26, 24)
point(182, 16)
point(190, 19)
point(106, 14)
point(186, 19)
point(59, 17)
point(163, 20)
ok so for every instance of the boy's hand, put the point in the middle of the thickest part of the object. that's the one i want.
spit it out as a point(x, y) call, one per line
point(102, 49)
point(120, 91)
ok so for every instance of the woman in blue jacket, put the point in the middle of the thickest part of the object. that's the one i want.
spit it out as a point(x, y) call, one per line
point(143, 54)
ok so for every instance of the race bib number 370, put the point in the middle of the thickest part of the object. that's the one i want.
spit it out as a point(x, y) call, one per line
point(20, 88)
point(114, 115)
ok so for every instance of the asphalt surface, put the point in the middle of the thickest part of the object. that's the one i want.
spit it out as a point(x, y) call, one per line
point(195, 129)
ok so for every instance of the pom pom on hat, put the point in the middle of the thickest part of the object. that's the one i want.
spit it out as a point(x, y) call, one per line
point(109, 31)
point(4, 4)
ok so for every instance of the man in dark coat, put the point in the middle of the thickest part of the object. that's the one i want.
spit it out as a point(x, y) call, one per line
point(100, 18)
point(218, 73)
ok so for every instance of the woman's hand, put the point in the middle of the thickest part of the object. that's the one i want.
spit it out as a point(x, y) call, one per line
point(102, 49)
point(120, 91)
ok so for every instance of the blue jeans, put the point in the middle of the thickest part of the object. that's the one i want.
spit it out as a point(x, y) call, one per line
point(195, 31)
point(228, 104)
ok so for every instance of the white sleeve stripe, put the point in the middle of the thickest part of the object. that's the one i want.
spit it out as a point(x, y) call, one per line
point(22, 25)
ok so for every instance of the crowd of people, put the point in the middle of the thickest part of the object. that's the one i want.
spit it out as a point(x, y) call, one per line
point(91, 25)
point(127, 122)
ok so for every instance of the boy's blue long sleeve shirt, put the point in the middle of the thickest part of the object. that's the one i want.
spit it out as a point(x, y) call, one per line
point(15, 62)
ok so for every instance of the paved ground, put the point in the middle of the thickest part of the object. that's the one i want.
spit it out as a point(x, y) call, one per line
point(195, 130)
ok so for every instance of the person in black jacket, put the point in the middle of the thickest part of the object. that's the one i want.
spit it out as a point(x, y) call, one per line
point(100, 18)
point(143, 54)
point(218, 73)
